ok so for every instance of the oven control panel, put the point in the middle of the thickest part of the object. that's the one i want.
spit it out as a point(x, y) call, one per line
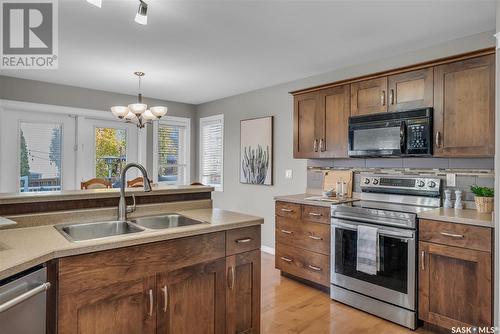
point(401, 185)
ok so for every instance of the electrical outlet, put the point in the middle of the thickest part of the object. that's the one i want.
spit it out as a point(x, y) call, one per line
point(451, 180)
point(288, 174)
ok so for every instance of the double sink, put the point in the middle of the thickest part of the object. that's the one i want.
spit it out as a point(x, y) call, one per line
point(98, 230)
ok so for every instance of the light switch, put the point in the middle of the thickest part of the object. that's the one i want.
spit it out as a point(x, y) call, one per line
point(288, 174)
point(451, 180)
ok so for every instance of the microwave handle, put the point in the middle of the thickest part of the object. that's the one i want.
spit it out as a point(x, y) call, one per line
point(402, 137)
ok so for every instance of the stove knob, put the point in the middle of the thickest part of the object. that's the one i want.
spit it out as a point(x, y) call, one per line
point(431, 184)
point(420, 183)
point(375, 181)
point(367, 181)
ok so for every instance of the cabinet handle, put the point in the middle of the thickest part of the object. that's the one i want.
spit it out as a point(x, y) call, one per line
point(382, 98)
point(391, 96)
point(438, 139)
point(243, 241)
point(150, 293)
point(422, 260)
point(314, 214)
point(230, 278)
point(314, 267)
point(165, 298)
point(287, 210)
point(451, 235)
point(286, 259)
point(322, 145)
point(315, 145)
point(315, 237)
point(286, 232)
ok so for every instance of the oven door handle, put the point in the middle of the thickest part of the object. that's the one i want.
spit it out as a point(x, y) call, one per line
point(381, 231)
point(394, 221)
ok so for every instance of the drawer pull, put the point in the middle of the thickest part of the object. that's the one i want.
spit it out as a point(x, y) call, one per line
point(243, 241)
point(314, 267)
point(451, 235)
point(287, 210)
point(314, 214)
point(286, 232)
point(286, 259)
point(315, 237)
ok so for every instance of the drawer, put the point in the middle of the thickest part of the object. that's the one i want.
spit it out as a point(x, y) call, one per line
point(289, 210)
point(319, 214)
point(453, 234)
point(306, 235)
point(242, 240)
point(308, 265)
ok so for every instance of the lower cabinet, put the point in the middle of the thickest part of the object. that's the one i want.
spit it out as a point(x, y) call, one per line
point(186, 285)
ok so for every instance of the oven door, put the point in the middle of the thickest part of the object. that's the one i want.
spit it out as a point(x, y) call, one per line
point(395, 282)
point(377, 139)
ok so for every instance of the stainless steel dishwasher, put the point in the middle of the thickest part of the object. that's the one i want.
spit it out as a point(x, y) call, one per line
point(23, 302)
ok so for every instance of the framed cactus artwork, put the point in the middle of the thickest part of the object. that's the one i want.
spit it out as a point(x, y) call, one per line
point(256, 151)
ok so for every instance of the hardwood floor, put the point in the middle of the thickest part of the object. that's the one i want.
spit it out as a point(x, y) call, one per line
point(292, 307)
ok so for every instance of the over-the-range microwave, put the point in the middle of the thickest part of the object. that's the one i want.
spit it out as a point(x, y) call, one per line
point(402, 133)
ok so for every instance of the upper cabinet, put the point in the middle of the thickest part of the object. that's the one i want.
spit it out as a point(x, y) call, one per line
point(369, 97)
point(321, 123)
point(411, 90)
point(464, 108)
point(461, 89)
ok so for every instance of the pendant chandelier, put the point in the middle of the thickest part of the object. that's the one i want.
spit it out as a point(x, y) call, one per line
point(139, 113)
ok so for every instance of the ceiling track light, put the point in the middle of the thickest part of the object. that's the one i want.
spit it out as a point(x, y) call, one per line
point(142, 13)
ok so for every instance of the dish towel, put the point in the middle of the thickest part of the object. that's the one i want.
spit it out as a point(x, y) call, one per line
point(367, 260)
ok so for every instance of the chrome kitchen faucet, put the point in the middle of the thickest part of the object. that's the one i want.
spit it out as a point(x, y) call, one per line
point(123, 209)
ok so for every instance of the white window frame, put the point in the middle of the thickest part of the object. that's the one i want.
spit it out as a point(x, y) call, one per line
point(204, 121)
point(173, 121)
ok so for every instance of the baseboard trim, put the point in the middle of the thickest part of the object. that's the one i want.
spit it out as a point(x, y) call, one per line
point(267, 249)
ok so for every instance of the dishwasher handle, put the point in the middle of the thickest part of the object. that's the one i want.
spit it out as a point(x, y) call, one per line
point(27, 295)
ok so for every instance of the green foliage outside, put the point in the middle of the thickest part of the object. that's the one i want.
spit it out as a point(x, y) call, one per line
point(482, 191)
point(25, 162)
point(168, 143)
point(110, 143)
point(55, 148)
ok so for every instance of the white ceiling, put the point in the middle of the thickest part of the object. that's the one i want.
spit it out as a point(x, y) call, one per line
point(197, 51)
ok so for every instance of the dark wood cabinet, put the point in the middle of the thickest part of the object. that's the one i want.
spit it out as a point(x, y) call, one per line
point(192, 299)
point(307, 126)
point(243, 293)
point(464, 108)
point(411, 90)
point(369, 96)
point(188, 285)
point(334, 106)
point(455, 279)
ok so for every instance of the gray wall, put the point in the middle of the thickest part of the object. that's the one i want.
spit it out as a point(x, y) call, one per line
point(77, 97)
point(258, 200)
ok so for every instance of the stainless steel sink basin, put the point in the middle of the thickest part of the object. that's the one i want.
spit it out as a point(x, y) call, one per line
point(166, 221)
point(92, 231)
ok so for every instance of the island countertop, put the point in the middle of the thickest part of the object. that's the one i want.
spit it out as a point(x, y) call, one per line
point(464, 216)
point(23, 248)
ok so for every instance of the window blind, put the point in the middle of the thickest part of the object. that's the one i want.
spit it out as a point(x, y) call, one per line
point(211, 151)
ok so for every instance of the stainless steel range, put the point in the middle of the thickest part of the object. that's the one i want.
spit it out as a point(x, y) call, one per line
point(391, 205)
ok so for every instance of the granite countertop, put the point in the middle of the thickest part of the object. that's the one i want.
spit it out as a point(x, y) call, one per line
point(30, 197)
point(465, 216)
point(22, 248)
point(306, 199)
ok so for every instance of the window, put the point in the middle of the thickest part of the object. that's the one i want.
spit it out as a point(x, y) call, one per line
point(212, 151)
point(110, 153)
point(40, 162)
point(172, 150)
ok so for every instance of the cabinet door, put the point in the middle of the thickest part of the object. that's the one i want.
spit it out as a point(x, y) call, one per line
point(306, 133)
point(464, 108)
point(191, 300)
point(125, 307)
point(411, 90)
point(454, 286)
point(334, 105)
point(243, 293)
point(369, 97)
